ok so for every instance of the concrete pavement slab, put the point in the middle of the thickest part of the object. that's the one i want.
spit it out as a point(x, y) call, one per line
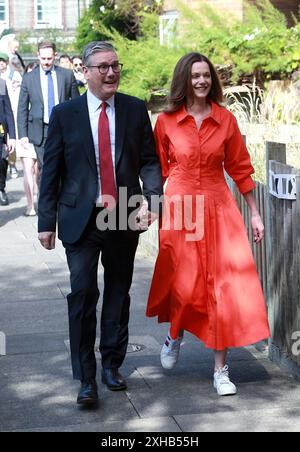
point(194, 394)
point(27, 344)
point(38, 316)
point(160, 424)
point(21, 281)
point(37, 392)
point(267, 420)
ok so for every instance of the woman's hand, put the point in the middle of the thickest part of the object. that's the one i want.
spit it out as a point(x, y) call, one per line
point(145, 218)
point(256, 221)
point(257, 228)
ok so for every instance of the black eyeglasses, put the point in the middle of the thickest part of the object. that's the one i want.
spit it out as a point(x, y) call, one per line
point(104, 68)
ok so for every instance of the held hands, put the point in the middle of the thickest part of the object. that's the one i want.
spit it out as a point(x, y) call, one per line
point(144, 217)
point(257, 228)
point(47, 240)
point(11, 146)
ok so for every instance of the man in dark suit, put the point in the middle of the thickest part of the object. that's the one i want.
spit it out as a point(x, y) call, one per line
point(7, 143)
point(42, 89)
point(98, 146)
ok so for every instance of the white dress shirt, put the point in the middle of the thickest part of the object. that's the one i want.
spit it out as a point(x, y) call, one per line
point(44, 85)
point(95, 107)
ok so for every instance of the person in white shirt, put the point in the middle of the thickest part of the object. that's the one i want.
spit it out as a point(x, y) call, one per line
point(30, 167)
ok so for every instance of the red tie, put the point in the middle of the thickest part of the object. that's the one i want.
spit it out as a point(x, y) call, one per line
point(108, 186)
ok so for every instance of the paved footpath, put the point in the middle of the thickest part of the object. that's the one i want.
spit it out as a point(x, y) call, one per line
point(37, 392)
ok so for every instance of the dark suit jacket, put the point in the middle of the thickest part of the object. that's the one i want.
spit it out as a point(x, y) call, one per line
point(6, 113)
point(31, 105)
point(70, 182)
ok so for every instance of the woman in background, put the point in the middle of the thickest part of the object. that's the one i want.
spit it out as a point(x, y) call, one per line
point(30, 167)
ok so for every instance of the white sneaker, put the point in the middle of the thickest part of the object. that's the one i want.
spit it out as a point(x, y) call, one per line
point(222, 383)
point(30, 213)
point(170, 352)
point(14, 174)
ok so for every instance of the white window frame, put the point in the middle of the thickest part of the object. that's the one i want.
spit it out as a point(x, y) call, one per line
point(6, 21)
point(43, 25)
point(83, 5)
point(167, 20)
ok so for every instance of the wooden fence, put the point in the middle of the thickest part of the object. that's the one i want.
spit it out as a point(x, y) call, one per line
point(259, 252)
point(278, 258)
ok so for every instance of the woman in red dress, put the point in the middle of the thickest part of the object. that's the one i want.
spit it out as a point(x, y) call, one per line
point(205, 280)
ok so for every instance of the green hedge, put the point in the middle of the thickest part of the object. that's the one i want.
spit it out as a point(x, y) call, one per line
point(261, 43)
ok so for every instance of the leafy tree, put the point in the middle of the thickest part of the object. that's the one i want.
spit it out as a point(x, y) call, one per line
point(29, 41)
point(262, 44)
point(124, 16)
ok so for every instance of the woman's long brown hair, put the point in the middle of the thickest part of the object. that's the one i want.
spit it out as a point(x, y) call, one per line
point(181, 87)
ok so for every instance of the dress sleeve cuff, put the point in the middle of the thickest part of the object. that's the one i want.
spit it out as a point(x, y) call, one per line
point(246, 185)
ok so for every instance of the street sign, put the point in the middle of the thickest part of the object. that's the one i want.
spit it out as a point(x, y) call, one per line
point(283, 186)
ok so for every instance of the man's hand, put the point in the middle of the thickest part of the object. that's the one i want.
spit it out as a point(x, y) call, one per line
point(25, 142)
point(47, 240)
point(11, 146)
point(144, 217)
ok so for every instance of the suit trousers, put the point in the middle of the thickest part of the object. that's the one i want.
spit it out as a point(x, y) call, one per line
point(117, 250)
point(3, 173)
point(40, 150)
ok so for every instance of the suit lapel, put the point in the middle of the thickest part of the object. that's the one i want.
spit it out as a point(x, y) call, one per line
point(59, 83)
point(36, 78)
point(120, 127)
point(84, 125)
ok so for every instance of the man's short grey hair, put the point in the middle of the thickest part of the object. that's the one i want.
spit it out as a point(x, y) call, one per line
point(95, 47)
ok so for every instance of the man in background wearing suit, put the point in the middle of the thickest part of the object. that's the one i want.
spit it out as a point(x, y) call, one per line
point(7, 143)
point(97, 146)
point(43, 88)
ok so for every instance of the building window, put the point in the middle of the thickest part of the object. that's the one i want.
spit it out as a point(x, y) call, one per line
point(4, 11)
point(168, 28)
point(48, 13)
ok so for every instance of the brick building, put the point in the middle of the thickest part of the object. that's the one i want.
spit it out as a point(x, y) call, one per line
point(40, 14)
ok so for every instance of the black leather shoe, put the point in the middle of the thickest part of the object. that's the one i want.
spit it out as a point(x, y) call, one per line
point(113, 380)
point(88, 394)
point(3, 198)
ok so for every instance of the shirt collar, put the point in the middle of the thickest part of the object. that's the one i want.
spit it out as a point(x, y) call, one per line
point(215, 113)
point(45, 72)
point(96, 103)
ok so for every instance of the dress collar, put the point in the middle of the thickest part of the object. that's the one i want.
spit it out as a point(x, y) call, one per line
point(215, 113)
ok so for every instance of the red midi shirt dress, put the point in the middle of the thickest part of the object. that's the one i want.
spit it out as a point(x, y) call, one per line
point(205, 280)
